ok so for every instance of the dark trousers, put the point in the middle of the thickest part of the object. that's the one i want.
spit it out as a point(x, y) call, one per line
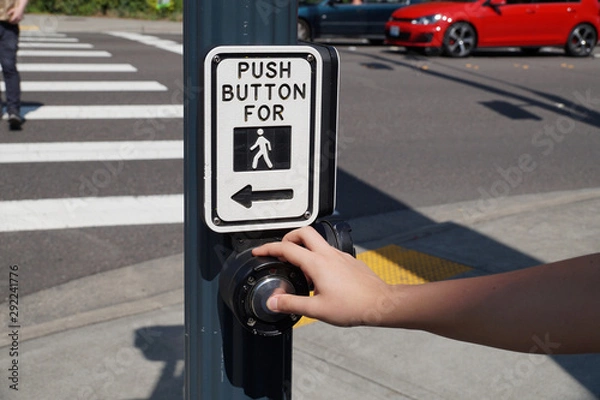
point(9, 43)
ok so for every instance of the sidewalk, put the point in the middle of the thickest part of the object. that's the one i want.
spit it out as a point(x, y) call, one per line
point(90, 339)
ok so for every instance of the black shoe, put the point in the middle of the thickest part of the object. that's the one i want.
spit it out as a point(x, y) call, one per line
point(15, 121)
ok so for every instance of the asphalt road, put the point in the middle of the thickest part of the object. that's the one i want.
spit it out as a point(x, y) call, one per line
point(414, 131)
point(433, 130)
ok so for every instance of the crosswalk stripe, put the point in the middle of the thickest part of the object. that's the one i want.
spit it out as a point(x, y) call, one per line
point(65, 213)
point(36, 33)
point(164, 44)
point(90, 86)
point(125, 111)
point(74, 67)
point(85, 212)
point(45, 45)
point(11, 153)
point(63, 53)
point(47, 39)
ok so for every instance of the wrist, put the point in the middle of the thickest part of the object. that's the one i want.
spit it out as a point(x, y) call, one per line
point(387, 307)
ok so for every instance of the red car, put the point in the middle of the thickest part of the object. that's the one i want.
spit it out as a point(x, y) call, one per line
point(458, 27)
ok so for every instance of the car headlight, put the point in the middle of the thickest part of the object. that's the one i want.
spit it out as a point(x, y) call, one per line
point(427, 20)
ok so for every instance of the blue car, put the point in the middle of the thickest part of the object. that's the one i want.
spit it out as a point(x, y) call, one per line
point(346, 18)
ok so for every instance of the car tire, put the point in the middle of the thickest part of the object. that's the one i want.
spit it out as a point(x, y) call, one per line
point(460, 40)
point(304, 33)
point(581, 41)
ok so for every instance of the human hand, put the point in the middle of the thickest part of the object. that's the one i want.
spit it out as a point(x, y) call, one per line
point(16, 14)
point(347, 292)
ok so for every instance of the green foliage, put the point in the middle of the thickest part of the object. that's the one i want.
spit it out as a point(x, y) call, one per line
point(150, 9)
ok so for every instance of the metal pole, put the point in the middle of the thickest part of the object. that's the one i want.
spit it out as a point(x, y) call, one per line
point(222, 361)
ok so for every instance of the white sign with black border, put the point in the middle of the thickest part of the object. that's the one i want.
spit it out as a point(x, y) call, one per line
point(261, 137)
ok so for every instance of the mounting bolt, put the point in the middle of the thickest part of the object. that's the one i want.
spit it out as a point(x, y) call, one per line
point(216, 59)
point(310, 58)
point(307, 214)
point(216, 221)
point(251, 322)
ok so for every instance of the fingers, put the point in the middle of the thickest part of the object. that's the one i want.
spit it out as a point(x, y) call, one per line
point(309, 238)
point(290, 304)
point(288, 252)
point(14, 17)
point(304, 238)
point(308, 250)
point(299, 247)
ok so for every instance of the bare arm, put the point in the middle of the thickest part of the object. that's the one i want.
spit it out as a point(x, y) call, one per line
point(549, 308)
point(17, 13)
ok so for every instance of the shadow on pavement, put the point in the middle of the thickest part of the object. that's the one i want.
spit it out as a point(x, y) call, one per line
point(164, 344)
point(356, 198)
point(509, 110)
point(581, 110)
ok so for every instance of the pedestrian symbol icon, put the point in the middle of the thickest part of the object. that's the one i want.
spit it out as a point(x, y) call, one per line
point(264, 147)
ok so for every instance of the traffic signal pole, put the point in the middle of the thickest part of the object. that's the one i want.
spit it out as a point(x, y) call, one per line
point(223, 360)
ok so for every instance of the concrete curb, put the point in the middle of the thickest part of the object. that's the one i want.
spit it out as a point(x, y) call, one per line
point(97, 298)
point(64, 23)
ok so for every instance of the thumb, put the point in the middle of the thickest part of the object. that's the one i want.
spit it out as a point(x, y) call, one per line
point(289, 304)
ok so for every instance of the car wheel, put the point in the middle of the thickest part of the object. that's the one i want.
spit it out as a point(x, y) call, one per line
point(582, 40)
point(459, 40)
point(304, 33)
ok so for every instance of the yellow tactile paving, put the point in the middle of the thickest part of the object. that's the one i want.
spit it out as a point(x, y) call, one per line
point(397, 265)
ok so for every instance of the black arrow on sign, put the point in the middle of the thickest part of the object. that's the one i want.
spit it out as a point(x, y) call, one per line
point(246, 196)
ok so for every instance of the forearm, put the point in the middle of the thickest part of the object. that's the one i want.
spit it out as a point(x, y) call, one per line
point(553, 307)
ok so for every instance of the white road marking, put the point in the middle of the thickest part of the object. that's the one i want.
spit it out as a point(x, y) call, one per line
point(90, 86)
point(91, 151)
point(44, 45)
point(164, 44)
point(42, 34)
point(47, 39)
point(63, 53)
point(68, 213)
point(125, 111)
point(86, 212)
point(81, 67)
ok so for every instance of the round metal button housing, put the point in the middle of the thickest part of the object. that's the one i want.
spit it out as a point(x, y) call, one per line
point(261, 292)
point(247, 282)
